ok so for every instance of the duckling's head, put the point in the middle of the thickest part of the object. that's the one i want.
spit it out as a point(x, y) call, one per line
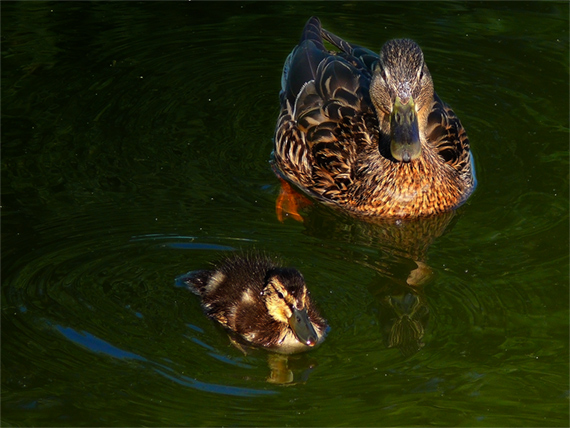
point(402, 93)
point(286, 298)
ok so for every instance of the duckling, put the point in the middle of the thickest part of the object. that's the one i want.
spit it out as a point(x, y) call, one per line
point(262, 303)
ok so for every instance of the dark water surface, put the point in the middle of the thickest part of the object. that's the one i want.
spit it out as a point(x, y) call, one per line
point(135, 148)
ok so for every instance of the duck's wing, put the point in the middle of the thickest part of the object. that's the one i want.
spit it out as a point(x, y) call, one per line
point(301, 64)
point(447, 135)
point(324, 99)
point(362, 58)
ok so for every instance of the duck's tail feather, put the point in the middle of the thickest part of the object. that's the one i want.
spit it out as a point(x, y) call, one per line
point(313, 31)
point(366, 56)
point(337, 41)
point(301, 64)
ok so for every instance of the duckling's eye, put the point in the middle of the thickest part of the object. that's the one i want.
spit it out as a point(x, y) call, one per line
point(280, 295)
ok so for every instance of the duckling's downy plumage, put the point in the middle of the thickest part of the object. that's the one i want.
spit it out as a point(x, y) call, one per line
point(367, 132)
point(263, 303)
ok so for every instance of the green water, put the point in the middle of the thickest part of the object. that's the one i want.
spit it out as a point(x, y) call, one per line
point(135, 147)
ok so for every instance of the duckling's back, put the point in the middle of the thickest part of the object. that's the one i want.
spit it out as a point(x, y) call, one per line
point(235, 281)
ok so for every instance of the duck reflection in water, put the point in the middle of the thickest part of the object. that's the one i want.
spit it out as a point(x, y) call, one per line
point(261, 304)
point(400, 260)
point(404, 314)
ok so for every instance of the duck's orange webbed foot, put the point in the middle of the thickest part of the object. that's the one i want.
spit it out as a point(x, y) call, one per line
point(289, 202)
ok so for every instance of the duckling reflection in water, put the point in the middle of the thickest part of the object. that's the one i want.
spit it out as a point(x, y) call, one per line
point(289, 369)
point(261, 303)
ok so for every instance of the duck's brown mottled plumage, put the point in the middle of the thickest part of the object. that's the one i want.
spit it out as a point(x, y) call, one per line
point(334, 133)
point(264, 304)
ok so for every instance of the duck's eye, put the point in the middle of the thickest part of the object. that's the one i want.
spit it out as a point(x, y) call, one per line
point(280, 295)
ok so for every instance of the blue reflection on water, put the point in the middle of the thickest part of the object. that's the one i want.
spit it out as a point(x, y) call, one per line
point(186, 244)
point(95, 344)
point(199, 246)
point(213, 353)
point(199, 342)
point(195, 328)
point(216, 388)
point(137, 314)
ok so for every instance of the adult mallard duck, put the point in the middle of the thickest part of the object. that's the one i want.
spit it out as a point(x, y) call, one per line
point(264, 304)
point(367, 132)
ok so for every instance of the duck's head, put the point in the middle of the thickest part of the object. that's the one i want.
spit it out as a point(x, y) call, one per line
point(286, 298)
point(402, 93)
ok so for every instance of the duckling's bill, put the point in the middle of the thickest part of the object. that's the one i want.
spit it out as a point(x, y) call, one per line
point(302, 327)
point(404, 128)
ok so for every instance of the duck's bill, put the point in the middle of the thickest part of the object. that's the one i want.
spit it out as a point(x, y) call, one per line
point(405, 132)
point(302, 327)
